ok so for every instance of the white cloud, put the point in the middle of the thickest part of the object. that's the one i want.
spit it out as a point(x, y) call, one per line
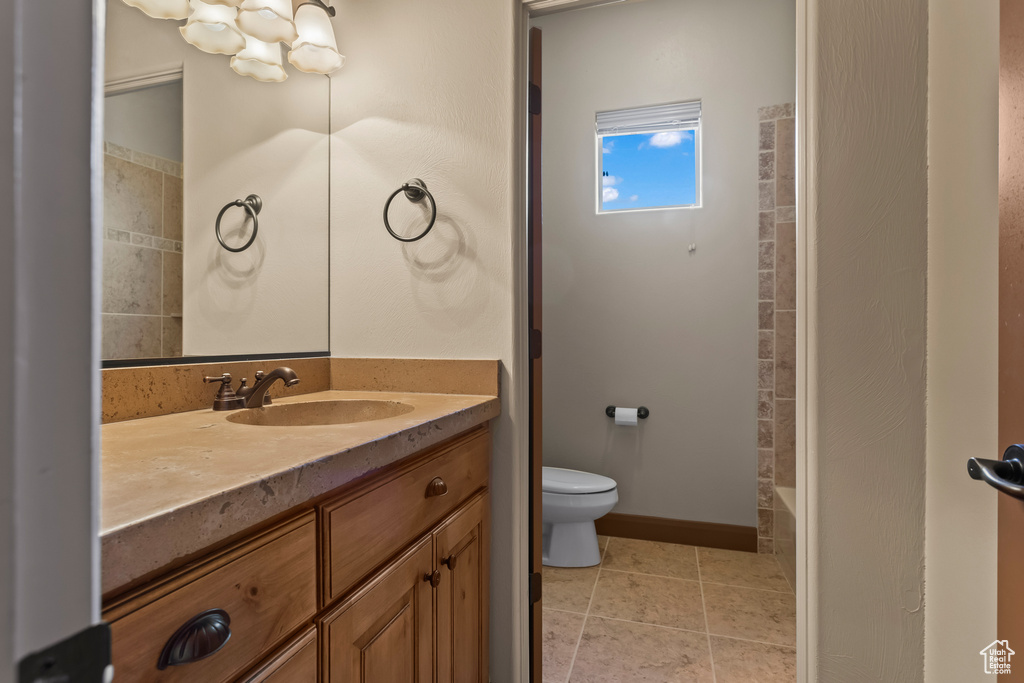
point(610, 180)
point(610, 194)
point(670, 138)
point(634, 197)
point(608, 147)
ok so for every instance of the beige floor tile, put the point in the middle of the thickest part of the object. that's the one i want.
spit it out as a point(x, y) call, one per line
point(621, 652)
point(602, 543)
point(735, 568)
point(740, 661)
point(752, 614)
point(568, 589)
point(649, 599)
point(561, 634)
point(648, 557)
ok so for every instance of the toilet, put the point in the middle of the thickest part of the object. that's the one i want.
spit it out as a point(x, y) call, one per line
point(572, 500)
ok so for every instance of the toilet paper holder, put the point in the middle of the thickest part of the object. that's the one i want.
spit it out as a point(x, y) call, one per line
point(641, 412)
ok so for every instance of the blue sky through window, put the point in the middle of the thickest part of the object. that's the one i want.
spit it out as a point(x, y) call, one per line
point(648, 170)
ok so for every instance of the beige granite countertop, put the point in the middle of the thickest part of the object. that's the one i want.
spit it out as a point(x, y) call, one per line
point(175, 484)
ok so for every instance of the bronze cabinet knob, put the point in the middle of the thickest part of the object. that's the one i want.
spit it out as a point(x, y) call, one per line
point(450, 562)
point(436, 487)
point(434, 578)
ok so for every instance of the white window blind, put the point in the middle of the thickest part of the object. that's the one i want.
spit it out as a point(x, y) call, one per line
point(649, 119)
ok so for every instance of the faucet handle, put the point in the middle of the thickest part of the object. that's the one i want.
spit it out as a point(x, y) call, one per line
point(226, 398)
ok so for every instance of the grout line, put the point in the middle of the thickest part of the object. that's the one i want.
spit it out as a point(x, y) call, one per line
point(759, 642)
point(644, 623)
point(751, 588)
point(707, 627)
point(576, 650)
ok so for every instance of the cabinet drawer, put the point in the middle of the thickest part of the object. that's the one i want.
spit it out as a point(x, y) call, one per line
point(364, 529)
point(267, 586)
point(295, 663)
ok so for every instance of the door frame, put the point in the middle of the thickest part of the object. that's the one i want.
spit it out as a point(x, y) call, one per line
point(807, 378)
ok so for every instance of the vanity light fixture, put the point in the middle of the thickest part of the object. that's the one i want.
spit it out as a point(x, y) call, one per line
point(250, 30)
point(316, 48)
point(268, 20)
point(212, 28)
point(260, 60)
point(162, 9)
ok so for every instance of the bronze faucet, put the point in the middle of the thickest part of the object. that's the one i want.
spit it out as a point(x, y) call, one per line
point(256, 395)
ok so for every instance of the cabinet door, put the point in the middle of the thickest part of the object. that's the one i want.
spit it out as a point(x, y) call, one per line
point(462, 554)
point(295, 663)
point(383, 633)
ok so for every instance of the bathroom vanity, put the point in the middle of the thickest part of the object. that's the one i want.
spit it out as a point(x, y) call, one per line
point(353, 552)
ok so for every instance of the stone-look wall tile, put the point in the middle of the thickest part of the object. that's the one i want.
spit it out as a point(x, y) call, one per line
point(164, 245)
point(774, 111)
point(766, 375)
point(765, 345)
point(766, 256)
point(765, 405)
point(766, 494)
point(785, 267)
point(130, 393)
point(785, 214)
point(766, 226)
point(131, 279)
point(119, 235)
point(766, 315)
point(172, 208)
point(765, 463)
point(142, 240)
point(766, 166)
point(766, 284)
point(172, 283)
point(120, 152)
point(171, 346)
point(765, 434)
point(785, 354)
point(785, 442)
point(130, 336)
point(766, 198)
point(765, 522)
point(767, 140)
point(417, 375)
point(766, 546)
point(785, 159)
point(132, 196)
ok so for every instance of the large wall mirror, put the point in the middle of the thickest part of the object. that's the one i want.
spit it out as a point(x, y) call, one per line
point(186, 136)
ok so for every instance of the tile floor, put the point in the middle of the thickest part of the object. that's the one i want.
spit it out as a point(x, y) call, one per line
point(664, 613)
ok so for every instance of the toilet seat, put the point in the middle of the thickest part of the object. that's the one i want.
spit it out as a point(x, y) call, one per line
point(560, 480)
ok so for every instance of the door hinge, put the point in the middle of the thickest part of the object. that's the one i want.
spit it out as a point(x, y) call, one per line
point(534, 99)
point(535, 344)
point(535, 589)
point(84, 657)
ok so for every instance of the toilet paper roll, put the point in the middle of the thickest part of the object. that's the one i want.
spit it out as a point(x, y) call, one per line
point(625, 417)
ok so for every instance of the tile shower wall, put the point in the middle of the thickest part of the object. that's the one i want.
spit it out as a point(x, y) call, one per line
point(776, 349)
point(142, 255)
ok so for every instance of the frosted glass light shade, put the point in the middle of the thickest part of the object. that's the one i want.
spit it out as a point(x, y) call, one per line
point(268, 20)
point(260, 60)
point(316, 49)
point(226, 3)
point(212, 28)
point(161, 9)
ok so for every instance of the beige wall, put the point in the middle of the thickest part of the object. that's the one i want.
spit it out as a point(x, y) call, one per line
point(963, 247)
point(871, 193)
point(631, 318)
point(429, 93)
point(242, 137)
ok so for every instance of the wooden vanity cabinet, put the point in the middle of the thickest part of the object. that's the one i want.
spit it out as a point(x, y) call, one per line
point(401, 561)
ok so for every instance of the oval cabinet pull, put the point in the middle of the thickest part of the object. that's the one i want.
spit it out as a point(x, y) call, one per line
point(434, 578)
point(449, 562)
point(198, 638)
point(436, 487)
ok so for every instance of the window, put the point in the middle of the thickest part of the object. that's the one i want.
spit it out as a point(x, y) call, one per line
point(649, 158)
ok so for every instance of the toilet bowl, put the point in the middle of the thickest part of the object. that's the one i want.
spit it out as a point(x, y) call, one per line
point(572, 500)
